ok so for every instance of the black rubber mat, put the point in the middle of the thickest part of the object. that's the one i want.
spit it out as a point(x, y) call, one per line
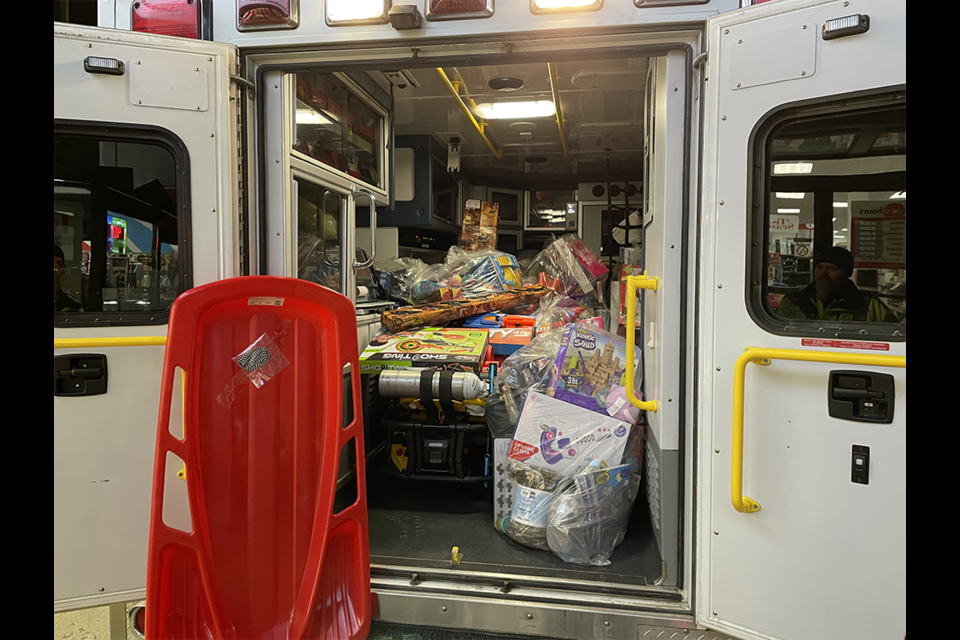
point(417, 523)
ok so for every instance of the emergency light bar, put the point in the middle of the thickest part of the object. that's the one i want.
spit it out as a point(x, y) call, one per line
point(846, 26)
point(561, 6)
point(167, 17)
point(261, 15)
point(458, 9)
point(107, 66)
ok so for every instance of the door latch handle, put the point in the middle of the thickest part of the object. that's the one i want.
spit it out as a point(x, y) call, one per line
point(856, 394)
point(80, 374)
point(861, 396)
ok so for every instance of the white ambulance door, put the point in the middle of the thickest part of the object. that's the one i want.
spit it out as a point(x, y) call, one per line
point(145, 186)
point(803, 252)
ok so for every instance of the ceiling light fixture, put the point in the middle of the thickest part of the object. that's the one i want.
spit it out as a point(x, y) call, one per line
point(512, 110)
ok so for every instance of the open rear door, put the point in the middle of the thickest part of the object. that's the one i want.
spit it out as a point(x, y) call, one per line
point(802, 326)
point(145, 171)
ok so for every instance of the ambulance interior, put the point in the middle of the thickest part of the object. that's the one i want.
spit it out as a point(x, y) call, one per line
point(593, 187)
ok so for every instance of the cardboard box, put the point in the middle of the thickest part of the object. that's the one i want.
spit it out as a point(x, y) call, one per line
point(590, 364)
point(479, 225)
point(427, 347)
point(555, 435)
point(504, 487)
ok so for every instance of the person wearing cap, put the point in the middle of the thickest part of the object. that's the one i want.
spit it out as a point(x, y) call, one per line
point(61, 301)
point(832, 294)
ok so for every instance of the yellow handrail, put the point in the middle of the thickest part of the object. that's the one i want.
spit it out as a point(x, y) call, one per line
point(456, 95)
point(634, 283)
point(555, 89)
point(756, 355)
point(98, 343)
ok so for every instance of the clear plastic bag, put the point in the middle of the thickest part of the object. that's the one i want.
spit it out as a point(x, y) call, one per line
point(434, 283)
point(588, 519)
point(535, 490)
point(397, 277)
point(259, 363)
point(552, 443)
point(529, 367)
point(483, 272)
point(557, 310)
point(567, 266)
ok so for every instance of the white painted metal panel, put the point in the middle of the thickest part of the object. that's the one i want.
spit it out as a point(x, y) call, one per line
point(824, 557)
point(104, 445)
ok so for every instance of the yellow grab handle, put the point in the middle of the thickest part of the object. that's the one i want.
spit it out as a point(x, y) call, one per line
point(756, 355)
point(634, 283)
point(95, 343)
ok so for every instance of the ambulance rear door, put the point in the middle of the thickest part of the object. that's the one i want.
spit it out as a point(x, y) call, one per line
point(144, 205)
point(802, 323)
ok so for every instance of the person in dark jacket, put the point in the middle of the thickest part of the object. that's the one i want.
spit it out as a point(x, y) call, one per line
point(832, 295)
point(62, 303)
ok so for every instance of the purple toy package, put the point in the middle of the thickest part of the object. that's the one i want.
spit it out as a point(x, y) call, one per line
point(591, 370)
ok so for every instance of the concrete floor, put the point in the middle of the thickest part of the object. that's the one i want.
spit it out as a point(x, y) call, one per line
point(85, 624)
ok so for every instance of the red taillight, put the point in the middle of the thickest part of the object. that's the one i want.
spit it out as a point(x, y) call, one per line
point(167, 17)
point(138, 619)
point(440, 9)
point(267, 14)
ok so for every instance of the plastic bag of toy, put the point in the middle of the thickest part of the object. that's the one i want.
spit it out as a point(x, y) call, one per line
point(552, 443)
point(567, 266)
point(396, 277)
point(483, 272)
point(435, 283)
point(536, 488)
point(588, 518)
point(529, 367)
point(557, 310)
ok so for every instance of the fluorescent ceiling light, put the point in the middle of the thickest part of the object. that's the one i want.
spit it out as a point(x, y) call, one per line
point(841, 205)
point(788, 210)
point(309, 116)
point(353, 10)
point(512, 110)
point(899, 195)
point(839, 237)
point(834, 219)
point(787, 195)
point(781, 168)
point(844, 229)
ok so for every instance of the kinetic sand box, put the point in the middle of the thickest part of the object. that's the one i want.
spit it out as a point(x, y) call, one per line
point(591, 364)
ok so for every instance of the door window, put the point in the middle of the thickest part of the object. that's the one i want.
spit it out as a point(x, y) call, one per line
point(318, 234)
point(830, 241)
point(119, 221)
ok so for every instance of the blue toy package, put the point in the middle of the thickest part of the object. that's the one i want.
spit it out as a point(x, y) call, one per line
point(591, 369)
point(494, 273)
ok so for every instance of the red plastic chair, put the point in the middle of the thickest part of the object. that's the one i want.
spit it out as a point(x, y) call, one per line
point(267, 557)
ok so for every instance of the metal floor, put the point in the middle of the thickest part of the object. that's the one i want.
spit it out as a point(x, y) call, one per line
point(416, 524)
